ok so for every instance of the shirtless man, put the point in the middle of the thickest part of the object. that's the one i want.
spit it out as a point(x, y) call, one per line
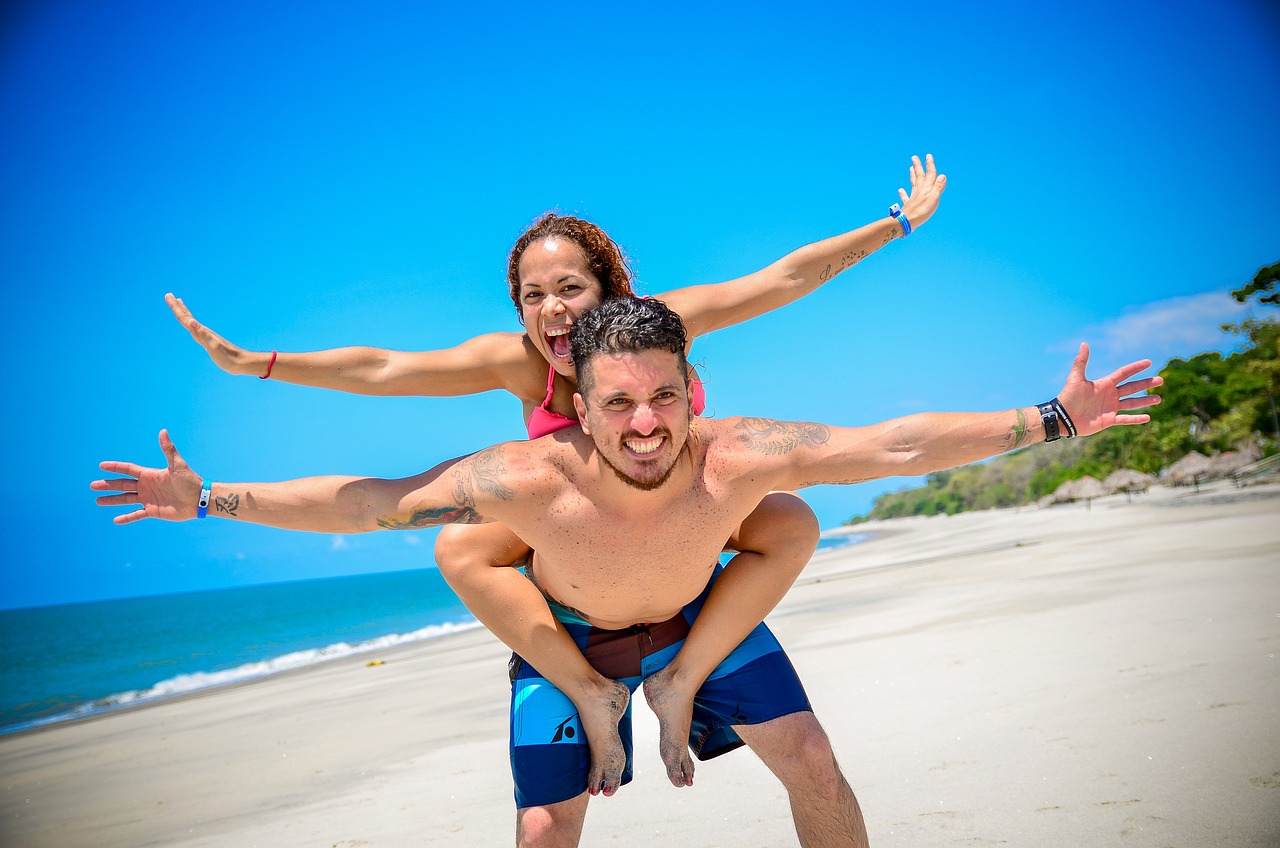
point(628, 515)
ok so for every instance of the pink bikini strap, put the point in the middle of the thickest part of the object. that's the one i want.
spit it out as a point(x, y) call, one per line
point(551, 386)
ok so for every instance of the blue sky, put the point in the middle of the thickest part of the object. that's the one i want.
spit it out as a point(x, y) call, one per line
point(310, 175)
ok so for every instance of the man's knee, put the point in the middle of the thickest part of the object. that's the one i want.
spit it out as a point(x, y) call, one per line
point(797, 750)
point(552, 826)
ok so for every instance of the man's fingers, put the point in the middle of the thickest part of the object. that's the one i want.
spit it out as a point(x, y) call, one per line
point(121, 499)
point(114, 485)
point(1126, 371)
point(129, 518)
point(929, 168)
point(170, 450)
point(903, 196)
point(1081, 361)
point(1139, 402)
point(128, 469)
point(1144, 385)
point(1125, 420)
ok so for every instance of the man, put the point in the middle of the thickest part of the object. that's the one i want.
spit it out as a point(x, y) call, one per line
point(628, 515)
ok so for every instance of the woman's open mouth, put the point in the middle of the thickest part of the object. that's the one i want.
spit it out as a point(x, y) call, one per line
point(558, 342)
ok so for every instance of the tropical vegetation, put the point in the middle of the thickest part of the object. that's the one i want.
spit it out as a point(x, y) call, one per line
point(1210, 403)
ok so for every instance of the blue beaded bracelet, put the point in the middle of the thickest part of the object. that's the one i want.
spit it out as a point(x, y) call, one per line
point(896, 212)
point(202, 508)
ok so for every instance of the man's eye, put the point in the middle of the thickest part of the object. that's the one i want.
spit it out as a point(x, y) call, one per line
point(530, 296)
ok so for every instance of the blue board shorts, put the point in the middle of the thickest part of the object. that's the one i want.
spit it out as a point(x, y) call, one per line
point(550, 759)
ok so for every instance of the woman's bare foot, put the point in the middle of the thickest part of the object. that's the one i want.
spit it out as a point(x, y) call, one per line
point(673, 705)
point(600, 723)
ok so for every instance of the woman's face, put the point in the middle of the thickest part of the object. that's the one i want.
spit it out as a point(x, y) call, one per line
point(556, 286)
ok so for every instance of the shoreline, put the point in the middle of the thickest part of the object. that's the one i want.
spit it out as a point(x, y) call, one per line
point(1052, 676)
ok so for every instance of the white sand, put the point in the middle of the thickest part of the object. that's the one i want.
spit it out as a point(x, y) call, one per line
point(1060, 677)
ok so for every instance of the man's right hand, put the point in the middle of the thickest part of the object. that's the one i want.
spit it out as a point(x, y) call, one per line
point(170, 493)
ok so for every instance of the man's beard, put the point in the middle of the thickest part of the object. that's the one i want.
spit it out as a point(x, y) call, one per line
point(642, 485)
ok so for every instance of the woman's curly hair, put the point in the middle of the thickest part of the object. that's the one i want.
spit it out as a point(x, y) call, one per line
point(605, 259)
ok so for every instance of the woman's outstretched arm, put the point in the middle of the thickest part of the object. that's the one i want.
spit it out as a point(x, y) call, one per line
point(714, 306)
point(490, 361)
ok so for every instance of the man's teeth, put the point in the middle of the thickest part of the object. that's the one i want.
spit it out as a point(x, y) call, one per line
point(646, 446)
point(558, 331)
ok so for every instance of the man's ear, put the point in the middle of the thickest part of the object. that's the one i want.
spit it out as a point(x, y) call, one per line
point(580, 406)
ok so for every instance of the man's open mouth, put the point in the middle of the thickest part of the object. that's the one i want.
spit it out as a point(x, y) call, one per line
point(644, 447)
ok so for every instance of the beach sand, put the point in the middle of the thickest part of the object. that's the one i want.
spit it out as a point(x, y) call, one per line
point(1074, 676)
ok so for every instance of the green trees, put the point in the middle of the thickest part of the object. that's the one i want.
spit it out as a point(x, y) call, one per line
point(1209, 402)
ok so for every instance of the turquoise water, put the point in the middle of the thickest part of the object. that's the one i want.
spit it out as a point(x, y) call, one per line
point(63, 662)
point(66, 661)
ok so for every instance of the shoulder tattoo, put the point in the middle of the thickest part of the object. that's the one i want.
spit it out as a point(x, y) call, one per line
point(767, 436)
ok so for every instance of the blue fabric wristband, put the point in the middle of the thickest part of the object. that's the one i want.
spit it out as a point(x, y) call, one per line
point(896, 212)
point(202, 508)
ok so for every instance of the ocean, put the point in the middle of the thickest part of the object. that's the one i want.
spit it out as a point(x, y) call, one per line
point(63, 662)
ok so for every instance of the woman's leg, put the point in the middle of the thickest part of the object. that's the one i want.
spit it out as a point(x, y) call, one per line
point(774, 544)
point(478, 562)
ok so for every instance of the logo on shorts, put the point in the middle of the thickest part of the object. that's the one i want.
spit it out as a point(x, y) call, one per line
point(565, 730)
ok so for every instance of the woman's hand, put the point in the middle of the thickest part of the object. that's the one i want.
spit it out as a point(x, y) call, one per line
point(228, 357)
point(927, 186)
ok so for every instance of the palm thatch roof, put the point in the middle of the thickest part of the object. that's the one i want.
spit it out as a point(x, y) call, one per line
point(1128, 480)
point(1189, 470)
point(1084, 489)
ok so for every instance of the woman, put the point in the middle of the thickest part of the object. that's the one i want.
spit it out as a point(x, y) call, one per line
point(559, 268)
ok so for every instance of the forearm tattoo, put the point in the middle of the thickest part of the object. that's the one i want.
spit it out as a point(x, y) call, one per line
point(483, 471)
point(1019, 434)
point(767, 436)
point(229, 504)
point(850, 258)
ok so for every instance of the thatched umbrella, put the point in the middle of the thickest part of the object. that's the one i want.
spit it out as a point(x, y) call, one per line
point(1226, 464)
point(1189, 470)
point(1128, 481)
point(1088, 489)
point(1084, 489)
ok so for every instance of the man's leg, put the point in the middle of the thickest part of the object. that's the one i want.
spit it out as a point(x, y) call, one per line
point(797, 750)
point(552, 826)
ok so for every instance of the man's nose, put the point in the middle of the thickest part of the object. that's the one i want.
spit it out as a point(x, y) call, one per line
point(644, 421)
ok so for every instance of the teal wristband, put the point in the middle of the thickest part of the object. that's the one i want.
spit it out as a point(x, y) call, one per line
point(202, 508)
point(895, 211)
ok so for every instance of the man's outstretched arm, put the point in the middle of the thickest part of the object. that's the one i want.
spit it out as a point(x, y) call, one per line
point(447, 494)
point(920, 444)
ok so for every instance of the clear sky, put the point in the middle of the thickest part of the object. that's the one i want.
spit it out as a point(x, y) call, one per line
point(311, 175)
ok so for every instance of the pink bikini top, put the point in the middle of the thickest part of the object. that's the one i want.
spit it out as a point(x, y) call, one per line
point(543, 420)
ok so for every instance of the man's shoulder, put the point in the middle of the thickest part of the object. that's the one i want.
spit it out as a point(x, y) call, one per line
point(753, 437)
point(528, 462)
